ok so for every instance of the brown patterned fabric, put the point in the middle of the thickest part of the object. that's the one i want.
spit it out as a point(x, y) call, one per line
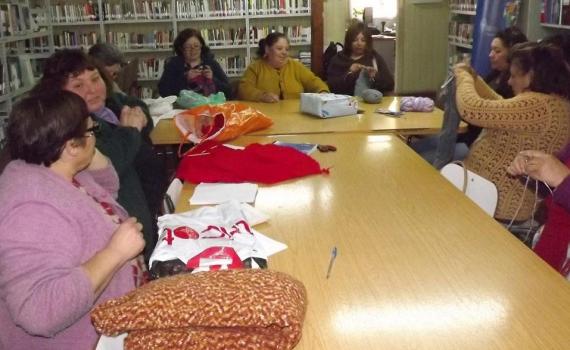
point(529, 120)
point(234, 309)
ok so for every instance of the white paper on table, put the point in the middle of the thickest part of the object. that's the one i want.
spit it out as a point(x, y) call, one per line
point(217, 193)
point(111, 343)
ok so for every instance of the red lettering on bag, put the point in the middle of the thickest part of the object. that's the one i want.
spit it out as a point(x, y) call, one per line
point(168, 238)
point(186, 232)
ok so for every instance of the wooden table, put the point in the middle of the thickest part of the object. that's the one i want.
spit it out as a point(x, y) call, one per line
point(419, 266)
point(287, 119)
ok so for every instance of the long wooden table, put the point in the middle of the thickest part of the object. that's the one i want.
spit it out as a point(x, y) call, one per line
point(287, 119)
point(419, 265)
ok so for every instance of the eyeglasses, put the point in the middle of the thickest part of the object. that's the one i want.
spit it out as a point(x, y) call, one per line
point(191, 47)
point(93, 130)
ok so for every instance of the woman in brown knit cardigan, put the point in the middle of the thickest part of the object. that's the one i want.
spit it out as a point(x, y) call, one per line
point(537, 117)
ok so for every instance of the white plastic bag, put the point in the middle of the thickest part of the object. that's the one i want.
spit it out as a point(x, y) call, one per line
point(328, 105)
point(212, 238)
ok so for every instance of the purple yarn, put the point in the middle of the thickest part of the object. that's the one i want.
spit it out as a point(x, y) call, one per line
point(416, 104)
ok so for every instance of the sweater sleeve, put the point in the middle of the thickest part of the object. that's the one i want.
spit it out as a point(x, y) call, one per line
point(119, 144)
point(340, 82)
point(173, 79)
point(485, 91)
point(41, 271)
point(311, 83)
point(383, 81)
point(220, 79)
point(247, 89)
point(499, 114)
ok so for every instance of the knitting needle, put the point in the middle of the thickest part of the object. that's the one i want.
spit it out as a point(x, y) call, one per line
point(331, 262)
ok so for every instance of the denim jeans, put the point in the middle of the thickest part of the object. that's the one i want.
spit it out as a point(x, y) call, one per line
point(447, 138)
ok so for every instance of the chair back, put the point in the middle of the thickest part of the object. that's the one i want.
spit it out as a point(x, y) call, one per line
point(480, 190)
point(171, 196)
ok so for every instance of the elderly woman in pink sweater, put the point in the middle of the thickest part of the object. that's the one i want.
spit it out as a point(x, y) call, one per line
point(66, 243)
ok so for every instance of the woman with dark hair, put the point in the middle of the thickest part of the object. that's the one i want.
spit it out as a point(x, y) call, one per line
point(66, 244)
point(535, 118)
point(123, 135)
point(273, 76)
point(357, 61)
point(193, 68)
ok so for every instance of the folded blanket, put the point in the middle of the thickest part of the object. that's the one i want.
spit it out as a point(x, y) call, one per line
point(234, 309)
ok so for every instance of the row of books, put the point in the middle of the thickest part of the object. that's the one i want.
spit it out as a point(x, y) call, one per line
point(15, 19)
point(73, 39)
point(185, 9)
point(33, 45)
point(296, 33)
point(305, 58)
point(460, 32)
point(70, 13)
point(134, 10)
point(224, 36)
point(463, 5)
point(155, 39)
point(20, 72)
point(150, 68)
point(274, 7)
point(146, 92)
point(232, 65)
point(555, 12)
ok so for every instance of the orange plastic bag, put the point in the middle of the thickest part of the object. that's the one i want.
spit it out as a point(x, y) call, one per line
point(221, 122)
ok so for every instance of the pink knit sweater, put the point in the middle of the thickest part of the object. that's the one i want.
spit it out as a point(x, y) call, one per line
point(48, 228)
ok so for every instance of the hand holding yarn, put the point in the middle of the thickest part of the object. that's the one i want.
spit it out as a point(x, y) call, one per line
point(416, 104)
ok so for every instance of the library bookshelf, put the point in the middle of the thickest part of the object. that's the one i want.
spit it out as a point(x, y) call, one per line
point(461, 24)
point(24, 42)
point(145, 30)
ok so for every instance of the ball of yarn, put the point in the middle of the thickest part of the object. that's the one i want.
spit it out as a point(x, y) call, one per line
point(416, 104)
point(371, 96)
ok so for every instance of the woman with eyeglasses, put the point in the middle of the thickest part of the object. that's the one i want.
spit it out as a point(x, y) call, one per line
point(274, 76)
point(193, 68)
point(123, 136)
point(67, 245)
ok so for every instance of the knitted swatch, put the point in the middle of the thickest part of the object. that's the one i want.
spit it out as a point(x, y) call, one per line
point(233, 309)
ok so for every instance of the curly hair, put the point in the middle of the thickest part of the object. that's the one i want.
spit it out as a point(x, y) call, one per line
point(186, 34)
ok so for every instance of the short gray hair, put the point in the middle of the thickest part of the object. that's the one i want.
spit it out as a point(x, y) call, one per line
point(107, 54)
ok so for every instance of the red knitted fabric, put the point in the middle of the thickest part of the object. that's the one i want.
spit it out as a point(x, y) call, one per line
point(212, 162)
point(553, 243)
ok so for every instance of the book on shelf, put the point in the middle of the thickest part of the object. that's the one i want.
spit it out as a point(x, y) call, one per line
point(297, 34)
point(463, 5)
point(15, 19)
point(132, 41)
point(15, 81)
point(150, 68)
point(232, 65)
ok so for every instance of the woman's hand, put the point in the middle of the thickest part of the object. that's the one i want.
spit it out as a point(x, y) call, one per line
point(464, 66)
point(127, 240)
point(371, 72)
point(355, 68)
point(269, 97)
point(193, 73)
point(540, 166)
point(207, 72)
point(133, 117)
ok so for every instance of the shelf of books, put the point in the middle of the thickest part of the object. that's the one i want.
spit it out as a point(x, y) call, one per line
point(147, 29)
point(555, 14)
point(24, 45)
point(460, 35)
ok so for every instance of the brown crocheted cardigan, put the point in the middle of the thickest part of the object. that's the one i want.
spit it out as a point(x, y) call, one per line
point(529, 120)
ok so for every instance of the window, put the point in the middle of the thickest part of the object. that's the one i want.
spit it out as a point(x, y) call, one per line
point(381, 8)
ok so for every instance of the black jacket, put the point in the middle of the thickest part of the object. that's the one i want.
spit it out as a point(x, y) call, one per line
point(173, 78)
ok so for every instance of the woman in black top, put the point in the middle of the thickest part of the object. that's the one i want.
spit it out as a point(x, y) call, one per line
point(193, 68)
point(358, 56)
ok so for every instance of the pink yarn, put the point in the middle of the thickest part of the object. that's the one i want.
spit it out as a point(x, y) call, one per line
point(416, 104)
